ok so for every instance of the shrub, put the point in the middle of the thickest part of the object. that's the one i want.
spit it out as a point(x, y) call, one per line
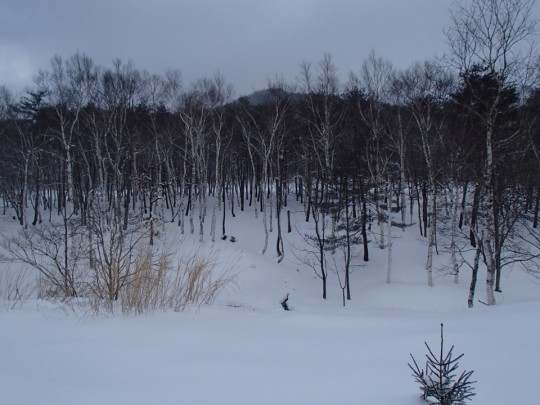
point(55, 250)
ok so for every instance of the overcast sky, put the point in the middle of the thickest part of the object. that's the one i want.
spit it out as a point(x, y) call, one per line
point(246, 40)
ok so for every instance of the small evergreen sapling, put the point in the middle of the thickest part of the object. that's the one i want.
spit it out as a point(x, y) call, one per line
point(440, 380)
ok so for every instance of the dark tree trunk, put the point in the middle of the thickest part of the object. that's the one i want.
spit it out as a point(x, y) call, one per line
point(126, 210)
point(417, 189)
point(474, 277)
point(289, 229)
point(242, 190)
point(308, 208)
point(348, 247)
point(279, 241)
point(424, 207)
point(301, 190)
point(324, 286)
point(353, 198)
point(61, 196)
point(232, 203)
point(536, 208)
point(474, 214)
point(463, 203)
point(251, 191)
point(364, 221)
point(37, 216)
point(260, 196)
point(223, 233)
point(188, 205)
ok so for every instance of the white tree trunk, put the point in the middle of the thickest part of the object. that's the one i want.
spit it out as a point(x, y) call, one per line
point(202, 207)
point(69, 176)
point(389, 226)
point(24, 192)
point(217, 204)
point(488, 232)
point(181, 214)
point(431, 239)
point(490, 265)
point(213, 222)
point(379, 215)
point(191, 218)
point(192, 203)
point(202, 215)
point(403, 175)
point(454, 231)
point(265, 225)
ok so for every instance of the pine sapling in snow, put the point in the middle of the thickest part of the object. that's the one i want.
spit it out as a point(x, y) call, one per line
point(440, 380)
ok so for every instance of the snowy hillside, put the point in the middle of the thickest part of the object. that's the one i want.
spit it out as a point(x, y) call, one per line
point(245, 349)
point(162, 242)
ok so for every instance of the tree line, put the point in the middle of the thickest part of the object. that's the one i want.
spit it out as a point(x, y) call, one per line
point(449, 145)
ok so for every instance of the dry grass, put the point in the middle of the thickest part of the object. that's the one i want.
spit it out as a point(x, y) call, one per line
point(195, 282)
point(16, 287)
point(155, 283)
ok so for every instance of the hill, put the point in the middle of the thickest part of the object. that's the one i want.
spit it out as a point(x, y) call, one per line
point(245, 349)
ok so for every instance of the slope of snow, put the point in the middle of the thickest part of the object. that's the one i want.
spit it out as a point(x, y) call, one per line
point(245, 349)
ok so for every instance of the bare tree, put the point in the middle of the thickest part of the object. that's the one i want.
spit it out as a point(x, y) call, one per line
point(204, 128)
point(220, 93)
point(116, 249)
point(428, 87)
point(323, 115)
point(28, 146)
point(263, 131)
point(56, 251)
point(494, 35)
point(60, 97)
point(376, 79)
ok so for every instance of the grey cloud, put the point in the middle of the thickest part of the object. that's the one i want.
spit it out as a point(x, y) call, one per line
point(247, 40)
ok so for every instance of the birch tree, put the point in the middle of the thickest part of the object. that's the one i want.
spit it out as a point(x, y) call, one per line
point(376, 80)
point(59, 95)
point(428, 87)
point(496, 36)
point(219, 94)
point(263, 131)
point(323, 116)
point(195, 116)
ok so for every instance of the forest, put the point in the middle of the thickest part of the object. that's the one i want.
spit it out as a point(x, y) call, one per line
point(93, 159)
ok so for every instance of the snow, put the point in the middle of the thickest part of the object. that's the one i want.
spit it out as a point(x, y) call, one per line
point(245, 349)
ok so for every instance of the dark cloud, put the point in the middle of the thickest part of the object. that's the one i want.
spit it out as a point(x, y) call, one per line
point(247, 40)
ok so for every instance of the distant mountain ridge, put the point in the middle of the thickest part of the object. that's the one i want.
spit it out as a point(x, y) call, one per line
point(266, 96)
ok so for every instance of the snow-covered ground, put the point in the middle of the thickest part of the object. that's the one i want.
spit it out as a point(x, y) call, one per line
point(245, 349)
